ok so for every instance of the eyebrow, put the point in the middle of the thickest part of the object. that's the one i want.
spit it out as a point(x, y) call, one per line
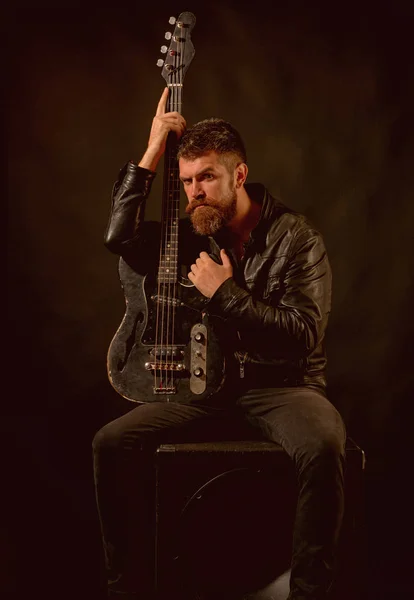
point(202, 172)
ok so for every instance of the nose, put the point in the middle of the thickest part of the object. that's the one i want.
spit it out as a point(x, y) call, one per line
point(197, 192)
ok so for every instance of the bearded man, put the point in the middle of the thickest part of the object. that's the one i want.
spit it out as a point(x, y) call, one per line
point(263, 269)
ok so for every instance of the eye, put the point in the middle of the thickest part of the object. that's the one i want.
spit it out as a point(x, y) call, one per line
point(208, 176)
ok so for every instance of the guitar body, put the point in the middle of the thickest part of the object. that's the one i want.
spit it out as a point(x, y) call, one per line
point(189, 364)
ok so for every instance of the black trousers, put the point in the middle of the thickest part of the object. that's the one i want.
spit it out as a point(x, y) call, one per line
point(301, 419)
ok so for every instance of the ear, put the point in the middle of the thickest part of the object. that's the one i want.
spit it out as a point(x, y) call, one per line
point(240, 174)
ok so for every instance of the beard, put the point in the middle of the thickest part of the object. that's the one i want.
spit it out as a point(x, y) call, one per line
point(214, 215)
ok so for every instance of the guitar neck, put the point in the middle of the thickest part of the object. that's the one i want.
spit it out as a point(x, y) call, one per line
point(179, 56)
point(167, 270)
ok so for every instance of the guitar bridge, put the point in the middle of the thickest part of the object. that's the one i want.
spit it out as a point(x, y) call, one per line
point(164, 390)
point(161, 366)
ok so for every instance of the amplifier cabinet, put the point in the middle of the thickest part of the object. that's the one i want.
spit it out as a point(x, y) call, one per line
point(224, 518)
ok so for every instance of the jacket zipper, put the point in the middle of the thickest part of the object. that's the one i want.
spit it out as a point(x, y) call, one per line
point(242, 360)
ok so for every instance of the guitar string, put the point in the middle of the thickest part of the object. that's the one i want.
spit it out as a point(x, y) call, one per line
point(173, 221)
point(176, 206)
point(170, 209)
point(159, 331)
point(157, 319)
point(158, 326)
point(163, 298)
point(167, 299)
point(170, 249)
point(180, 73)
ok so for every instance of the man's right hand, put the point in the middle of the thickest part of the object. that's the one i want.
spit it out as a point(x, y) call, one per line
point(162, 124)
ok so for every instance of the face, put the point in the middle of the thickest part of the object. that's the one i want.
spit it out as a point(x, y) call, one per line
point(211, 193)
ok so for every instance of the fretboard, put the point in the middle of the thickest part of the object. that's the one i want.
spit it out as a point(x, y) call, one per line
point(168, 265)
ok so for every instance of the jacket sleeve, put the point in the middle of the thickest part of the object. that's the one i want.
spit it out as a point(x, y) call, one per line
point(126, 218)
point(296, 323)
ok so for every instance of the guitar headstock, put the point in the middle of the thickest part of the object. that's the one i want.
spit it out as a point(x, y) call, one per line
point(180, 52)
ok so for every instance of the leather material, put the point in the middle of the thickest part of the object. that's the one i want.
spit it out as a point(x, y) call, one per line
point(276, 306)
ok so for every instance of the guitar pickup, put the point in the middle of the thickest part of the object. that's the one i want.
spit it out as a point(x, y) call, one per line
point(166, 300)
point(166, 353)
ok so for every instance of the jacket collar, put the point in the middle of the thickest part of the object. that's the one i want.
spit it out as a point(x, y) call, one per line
point(258, 193)
point(271, 207)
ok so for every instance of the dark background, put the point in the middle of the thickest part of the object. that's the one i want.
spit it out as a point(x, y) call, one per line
point(323, 94)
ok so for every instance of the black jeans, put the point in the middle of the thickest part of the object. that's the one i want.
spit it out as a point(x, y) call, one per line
point(301, 419)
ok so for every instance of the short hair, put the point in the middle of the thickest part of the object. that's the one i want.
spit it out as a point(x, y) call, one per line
point(212, 135)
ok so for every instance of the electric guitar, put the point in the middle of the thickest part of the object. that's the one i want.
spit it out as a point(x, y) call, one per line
point(166, 348)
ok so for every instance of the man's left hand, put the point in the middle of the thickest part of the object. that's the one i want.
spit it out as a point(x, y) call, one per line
point(207, 275)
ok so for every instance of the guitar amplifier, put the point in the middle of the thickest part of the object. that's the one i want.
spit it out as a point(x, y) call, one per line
point(224, 519)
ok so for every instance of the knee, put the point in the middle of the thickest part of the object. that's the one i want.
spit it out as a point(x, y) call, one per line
point(327, 451)
point(109, 437)
point(328, 438)
point(329, 446)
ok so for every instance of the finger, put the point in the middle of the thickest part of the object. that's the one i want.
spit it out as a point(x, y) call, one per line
point(181, 129)
point(168, 118)
point(224, 258)
point(162, 103)
point(177, 125)
point(190, 276)
point(172, 120)
point(204, 256)
point(174, 114)
point(175, 121)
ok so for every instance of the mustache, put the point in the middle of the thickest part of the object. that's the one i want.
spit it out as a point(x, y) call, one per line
point(190, 208)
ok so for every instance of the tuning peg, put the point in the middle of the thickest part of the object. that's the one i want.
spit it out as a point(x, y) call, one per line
point(160, 62)
point(168, 35)
point(164, 49)
point(172, 20)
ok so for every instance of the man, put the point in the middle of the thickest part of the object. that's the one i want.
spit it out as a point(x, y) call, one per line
point(272, 290)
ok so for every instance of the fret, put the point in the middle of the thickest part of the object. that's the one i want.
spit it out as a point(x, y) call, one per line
point(171, 280)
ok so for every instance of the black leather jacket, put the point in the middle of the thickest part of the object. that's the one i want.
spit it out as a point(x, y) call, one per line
point(277, 303)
